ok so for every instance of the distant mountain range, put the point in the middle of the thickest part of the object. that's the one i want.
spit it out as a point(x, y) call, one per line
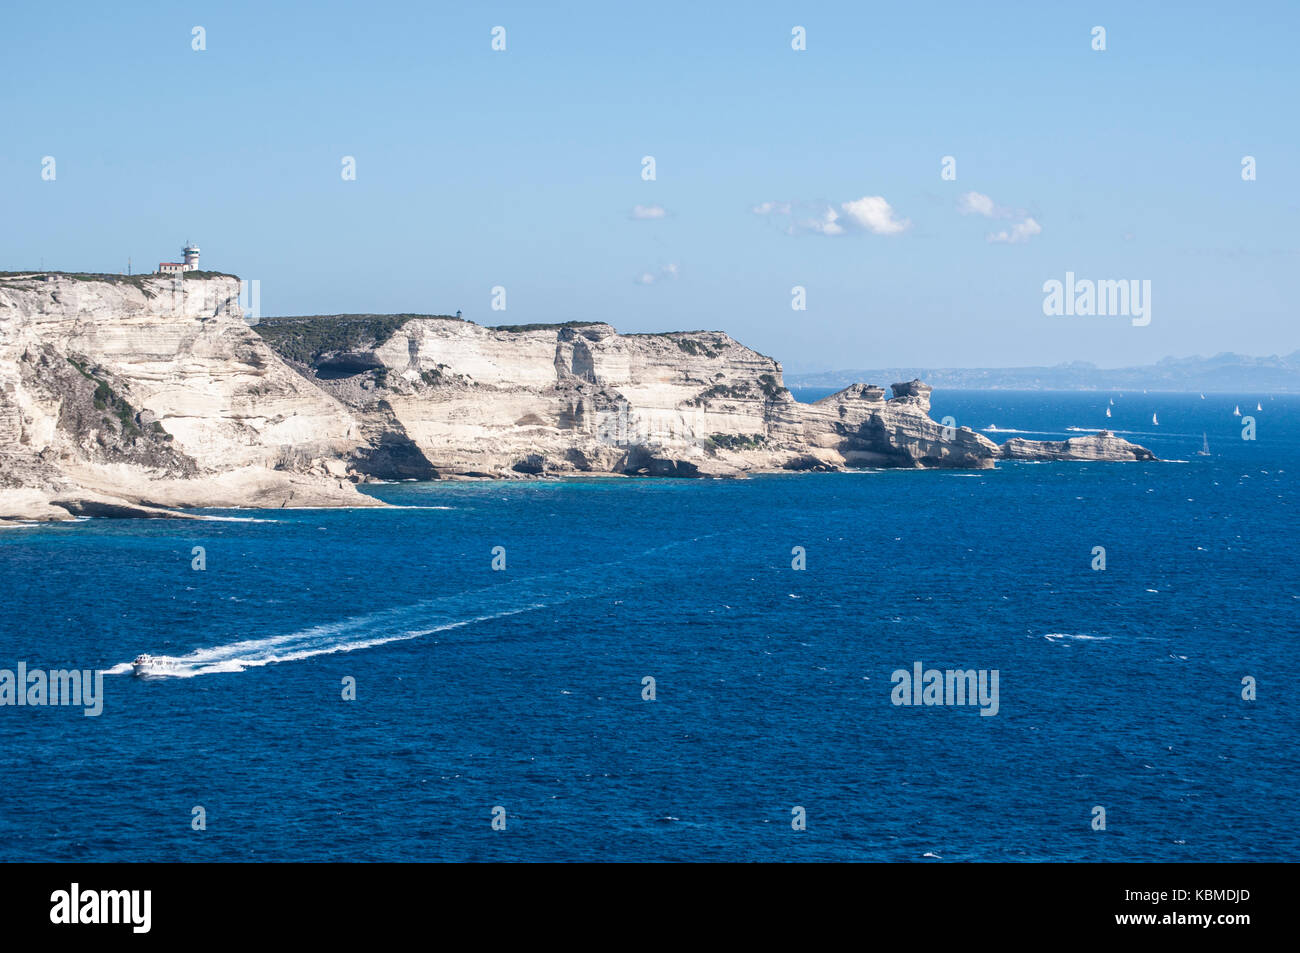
point(1234, 373)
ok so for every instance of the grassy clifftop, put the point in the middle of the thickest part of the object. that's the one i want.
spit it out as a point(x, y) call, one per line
point(523, 328)
point(146, 284)
point(307, 339)
point(136, 281)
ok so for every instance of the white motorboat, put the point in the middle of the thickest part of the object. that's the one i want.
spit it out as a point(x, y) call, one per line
point(150, 665)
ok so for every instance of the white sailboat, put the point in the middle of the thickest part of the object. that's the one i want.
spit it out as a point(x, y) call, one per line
point(1112, 401)
point(1205, 446)
point(1107, 411)
point(1236, 411)
point(1259, 406)
point(1154, 421)
point(1202, 397)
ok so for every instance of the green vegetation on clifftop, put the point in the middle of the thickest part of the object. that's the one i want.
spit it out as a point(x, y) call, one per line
point(519, 328)
point(307, 339)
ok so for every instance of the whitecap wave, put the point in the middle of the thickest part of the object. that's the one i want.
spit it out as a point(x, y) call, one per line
point(235, 519)
point(413, 506)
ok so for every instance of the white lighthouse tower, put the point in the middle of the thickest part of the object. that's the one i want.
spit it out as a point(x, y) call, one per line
point(189, 261)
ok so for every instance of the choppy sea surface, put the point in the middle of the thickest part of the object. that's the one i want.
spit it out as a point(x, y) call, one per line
point(522, 688)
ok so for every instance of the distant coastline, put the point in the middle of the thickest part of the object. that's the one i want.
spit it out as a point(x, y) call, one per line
point(1223, 373)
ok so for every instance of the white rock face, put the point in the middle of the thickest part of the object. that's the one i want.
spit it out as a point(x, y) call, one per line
point(123, 396)
point(858, 427)
point(446, 398)
point(85, 364)
point(476, 401)
point(1101, 446)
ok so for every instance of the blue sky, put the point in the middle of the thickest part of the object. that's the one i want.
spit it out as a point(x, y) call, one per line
point(522, 168)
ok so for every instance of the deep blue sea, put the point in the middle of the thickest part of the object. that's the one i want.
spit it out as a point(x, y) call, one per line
point(522, 688)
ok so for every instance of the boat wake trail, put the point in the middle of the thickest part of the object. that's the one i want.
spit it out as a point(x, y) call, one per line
point(1127, 433)
point(347, 635)
point(388, 625)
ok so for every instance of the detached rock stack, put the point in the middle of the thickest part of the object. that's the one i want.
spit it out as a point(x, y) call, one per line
point(857, 427)
point(1102, 445)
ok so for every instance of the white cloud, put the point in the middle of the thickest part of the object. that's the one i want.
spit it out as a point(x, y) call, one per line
point(828, 224)
point(873, 213)
point(651, 277)
point(648, 211)
point(870, 213)
point(1018, 235)
point(976, 203)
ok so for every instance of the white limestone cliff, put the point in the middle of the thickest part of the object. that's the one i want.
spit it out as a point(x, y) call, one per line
point(152, 390)
point(442, 397)
point(139, 395)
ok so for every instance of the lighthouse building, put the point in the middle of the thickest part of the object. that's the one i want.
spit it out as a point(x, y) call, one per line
point(189, 262)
